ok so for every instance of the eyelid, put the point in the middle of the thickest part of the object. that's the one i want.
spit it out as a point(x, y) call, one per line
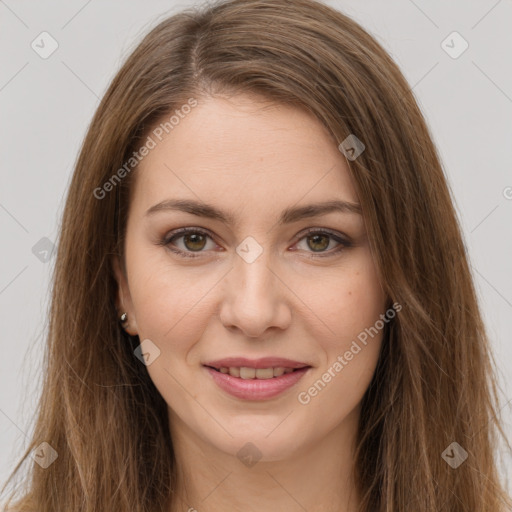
point(335, 234)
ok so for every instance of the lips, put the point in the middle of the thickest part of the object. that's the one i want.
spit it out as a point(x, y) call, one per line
point(256, 379)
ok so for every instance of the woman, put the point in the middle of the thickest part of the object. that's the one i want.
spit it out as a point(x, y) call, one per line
point(262, 299)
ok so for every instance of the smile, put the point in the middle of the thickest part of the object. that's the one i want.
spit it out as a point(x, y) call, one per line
point(247, 383)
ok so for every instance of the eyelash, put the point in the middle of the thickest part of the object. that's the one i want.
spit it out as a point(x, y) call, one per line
point(166, 242)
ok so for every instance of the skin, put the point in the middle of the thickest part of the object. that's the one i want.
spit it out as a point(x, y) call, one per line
point(253, 159)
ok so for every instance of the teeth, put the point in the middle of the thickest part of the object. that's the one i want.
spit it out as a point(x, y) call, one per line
point(264, 373)
point(253, 373)
point(278, 372)
point(247, 373)
point(234, 372)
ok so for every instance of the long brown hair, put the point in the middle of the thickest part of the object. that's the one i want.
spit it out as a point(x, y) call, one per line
point(434, 383)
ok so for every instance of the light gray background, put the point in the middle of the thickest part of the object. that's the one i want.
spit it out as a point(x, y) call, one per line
point(47, 104)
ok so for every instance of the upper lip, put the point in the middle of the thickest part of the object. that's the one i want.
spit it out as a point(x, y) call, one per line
point(264, 362)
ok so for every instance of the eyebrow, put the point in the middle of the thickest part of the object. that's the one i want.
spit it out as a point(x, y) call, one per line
point(289, 215)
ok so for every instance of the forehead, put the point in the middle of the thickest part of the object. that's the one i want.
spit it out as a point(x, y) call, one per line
point(243, 153)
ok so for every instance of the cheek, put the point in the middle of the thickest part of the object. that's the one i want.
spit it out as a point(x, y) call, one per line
point(169, 301)
point(351, 306)
point(351, 300)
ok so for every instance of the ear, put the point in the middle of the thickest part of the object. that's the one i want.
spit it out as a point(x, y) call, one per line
point(123, 298)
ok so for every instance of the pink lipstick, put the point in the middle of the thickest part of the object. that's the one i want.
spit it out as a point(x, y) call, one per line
point(258, 379)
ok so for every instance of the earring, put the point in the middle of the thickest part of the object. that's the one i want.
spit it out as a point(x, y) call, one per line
point(124, 318)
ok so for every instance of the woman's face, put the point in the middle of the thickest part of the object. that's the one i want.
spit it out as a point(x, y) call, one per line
point(255, 284)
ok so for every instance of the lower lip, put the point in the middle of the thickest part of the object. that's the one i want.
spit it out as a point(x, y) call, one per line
point(256, 389)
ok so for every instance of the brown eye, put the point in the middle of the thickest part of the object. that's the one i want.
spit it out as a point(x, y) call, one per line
point(318, 242)
point(190, 241)
point(194, 241)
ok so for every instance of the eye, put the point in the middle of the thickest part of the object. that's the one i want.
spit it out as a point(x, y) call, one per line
point(194, 240)
point(319, 240)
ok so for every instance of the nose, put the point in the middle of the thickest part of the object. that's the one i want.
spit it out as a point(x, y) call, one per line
point(254, 297)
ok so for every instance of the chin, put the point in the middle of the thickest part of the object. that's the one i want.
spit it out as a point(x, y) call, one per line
point(259, 443)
